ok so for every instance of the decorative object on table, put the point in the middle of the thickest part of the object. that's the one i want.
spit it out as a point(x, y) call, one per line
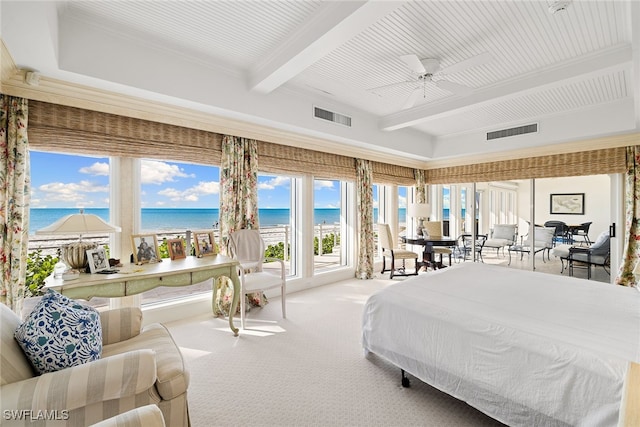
point(205, 243)
point(145, 248)
point(567, 203)
point(97, 259)
point(74, 255)
point(176, 249)
point(420, 211)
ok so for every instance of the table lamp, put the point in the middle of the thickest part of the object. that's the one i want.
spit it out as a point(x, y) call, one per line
point(420, 211)
point(75, 254)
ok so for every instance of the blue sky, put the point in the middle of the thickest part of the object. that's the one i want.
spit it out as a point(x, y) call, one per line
point(60, 180)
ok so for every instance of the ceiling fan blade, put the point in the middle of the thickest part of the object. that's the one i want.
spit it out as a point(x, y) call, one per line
point(456, 88)
point(413, 98)
point(373, 89)
point(474, 61)
point(413, 62)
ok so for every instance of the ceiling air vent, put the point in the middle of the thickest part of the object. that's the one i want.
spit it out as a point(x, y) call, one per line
point(341, 119)
point(520, 130)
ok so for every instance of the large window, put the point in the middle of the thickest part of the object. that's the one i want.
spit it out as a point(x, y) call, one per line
point(328, 218)
point(62, 184)
point(175, 198)
point(275, 216)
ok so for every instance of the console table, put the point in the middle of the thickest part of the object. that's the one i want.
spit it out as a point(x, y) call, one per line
point(133, 279)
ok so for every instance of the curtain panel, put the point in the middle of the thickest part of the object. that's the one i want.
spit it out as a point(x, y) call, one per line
point(364, 228)
point(631, 249)
point(15, 190)
point(238, 207)
point(421, 186)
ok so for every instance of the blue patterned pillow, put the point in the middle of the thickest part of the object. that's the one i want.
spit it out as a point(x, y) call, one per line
point(60, 333)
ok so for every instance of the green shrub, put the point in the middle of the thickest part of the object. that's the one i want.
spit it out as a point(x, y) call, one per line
point(39, 267)
point(277, 251)
point(328, 242)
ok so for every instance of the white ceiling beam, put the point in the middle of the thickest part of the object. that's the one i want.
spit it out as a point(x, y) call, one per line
point(549, 78)
point(333, 25)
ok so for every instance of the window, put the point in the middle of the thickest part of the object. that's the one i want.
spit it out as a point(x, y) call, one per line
point(274, 211)
point(328, 219)
point(176, 197)
point(61, 185)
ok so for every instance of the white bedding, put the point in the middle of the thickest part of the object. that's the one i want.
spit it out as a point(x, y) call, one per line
point(529, 349)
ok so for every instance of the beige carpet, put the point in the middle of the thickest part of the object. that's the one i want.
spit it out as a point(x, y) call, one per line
point(306, 370)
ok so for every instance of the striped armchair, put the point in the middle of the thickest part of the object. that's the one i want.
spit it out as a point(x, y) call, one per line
point(139, 366)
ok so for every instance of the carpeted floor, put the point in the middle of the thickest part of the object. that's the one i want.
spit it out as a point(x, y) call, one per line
point(306, 370)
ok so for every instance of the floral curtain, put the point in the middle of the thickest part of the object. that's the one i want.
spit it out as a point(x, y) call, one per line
point(421, 186)
point(631, 250)
point(15, 189)
point(238, 206)
point(364, 200)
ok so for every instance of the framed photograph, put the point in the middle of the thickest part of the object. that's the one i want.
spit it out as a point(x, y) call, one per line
point(97, 259)
point(205, 243)
point(145, 248)
point(176, 249)
point(567, 203)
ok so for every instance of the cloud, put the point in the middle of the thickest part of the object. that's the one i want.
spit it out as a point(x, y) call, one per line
point(319, 184)
point(156, 172)
point(97, 169)
point(192, 194)
point(70, 192)
point(276, 181)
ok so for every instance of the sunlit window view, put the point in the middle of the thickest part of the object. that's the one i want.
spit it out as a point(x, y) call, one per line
point(327, 221)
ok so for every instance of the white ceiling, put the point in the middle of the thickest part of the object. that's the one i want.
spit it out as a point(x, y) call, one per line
point(575, 73)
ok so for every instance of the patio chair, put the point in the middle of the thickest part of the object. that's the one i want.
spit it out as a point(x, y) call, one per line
point(561, 233)
point(503, 235)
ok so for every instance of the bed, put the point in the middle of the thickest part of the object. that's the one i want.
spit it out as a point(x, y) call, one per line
point(525, 348)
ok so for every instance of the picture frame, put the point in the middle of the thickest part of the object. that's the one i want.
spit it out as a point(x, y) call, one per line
point(205, 243)
point(176, 249)
point(145, 248)
point(97, 259)
point(567, 204)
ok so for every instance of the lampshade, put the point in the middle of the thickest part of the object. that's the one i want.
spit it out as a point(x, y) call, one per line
point(79, 223)
point(75, 254)
point(419, 210)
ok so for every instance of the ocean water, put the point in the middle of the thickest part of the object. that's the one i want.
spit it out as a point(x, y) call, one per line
point(163, 219)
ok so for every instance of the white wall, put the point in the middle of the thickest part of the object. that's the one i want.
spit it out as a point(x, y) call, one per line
point(597, 201)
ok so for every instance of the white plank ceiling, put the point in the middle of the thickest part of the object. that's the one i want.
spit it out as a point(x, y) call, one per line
point(576, 66)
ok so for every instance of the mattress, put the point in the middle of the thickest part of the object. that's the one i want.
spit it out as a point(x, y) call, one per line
point(525, 348)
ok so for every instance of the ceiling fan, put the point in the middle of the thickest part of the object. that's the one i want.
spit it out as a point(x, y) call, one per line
point(427, 71)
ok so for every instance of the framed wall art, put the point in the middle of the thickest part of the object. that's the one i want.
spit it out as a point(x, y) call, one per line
point(176, 249)
point(145, 248)
point(567, 204)
point(97, 259)
point(205, 243)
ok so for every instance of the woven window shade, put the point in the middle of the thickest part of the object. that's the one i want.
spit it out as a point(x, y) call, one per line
point(276, 158)
point(385, 173)
point(60, 128)
point(593, 162)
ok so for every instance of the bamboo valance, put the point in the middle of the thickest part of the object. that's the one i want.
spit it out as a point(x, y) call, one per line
point(592, 162)
point(54, 127)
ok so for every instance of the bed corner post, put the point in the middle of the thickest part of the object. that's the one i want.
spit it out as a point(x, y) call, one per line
point(405, 381)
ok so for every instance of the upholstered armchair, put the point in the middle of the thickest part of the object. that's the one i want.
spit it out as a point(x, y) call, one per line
point(138, 366)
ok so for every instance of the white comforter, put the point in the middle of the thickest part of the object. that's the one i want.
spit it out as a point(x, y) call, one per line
point(528, 349)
